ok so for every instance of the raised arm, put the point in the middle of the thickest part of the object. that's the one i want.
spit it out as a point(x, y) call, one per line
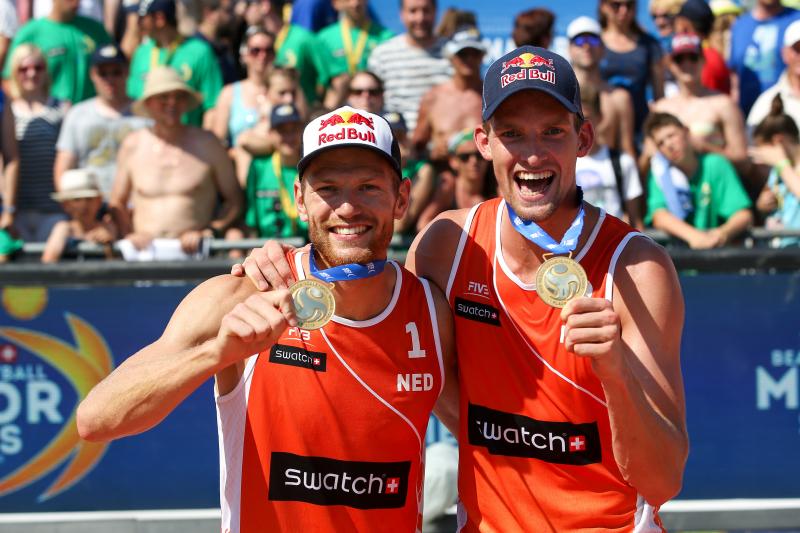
point(634, 344)
point(214, 329)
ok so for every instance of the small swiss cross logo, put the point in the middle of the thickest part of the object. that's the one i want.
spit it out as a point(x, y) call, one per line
point(8, 354)
point(316, 361)
point(393, 485)
point(577, 443)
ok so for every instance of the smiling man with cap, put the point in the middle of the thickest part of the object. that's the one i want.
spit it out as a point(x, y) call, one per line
point(323, 394)
point(577, 420)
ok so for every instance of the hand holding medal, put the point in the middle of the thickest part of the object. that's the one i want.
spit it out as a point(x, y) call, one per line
point(559, 279)
point(313, 299)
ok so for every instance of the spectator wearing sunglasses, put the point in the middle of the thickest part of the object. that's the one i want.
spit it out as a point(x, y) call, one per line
point(663, 14)
point(94, 130)
point(586, 51)
point(633, 57)
point(366, 92)
point(695, 16)
point(714, 121)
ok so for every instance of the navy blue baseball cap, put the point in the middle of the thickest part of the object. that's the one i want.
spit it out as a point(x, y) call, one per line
point(531, 68)
point(148, 7)
point(284, 114)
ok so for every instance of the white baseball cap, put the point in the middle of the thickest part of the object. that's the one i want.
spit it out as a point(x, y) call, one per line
point(583, 25)
point(792, 34)
point(348, 127)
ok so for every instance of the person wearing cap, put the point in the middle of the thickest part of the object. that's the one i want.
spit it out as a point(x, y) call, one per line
point(755, 60)
point(343, 48)
point(788, 85)
point(170, 174)
point(569, 418)
point(714, 119)
point(586, 52)
point(193, 58)
point(320, 429)
point(269, 195)
point(93, 130)
point(455, 104)
point(68, 40)
point(81, 199)
point(695, 16)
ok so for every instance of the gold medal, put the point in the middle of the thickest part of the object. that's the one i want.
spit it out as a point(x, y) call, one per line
point(313, 302)
point(559, 280)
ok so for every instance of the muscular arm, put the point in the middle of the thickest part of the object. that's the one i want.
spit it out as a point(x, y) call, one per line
point(637, 359)
point(227, 184)
point(446, 408)
point(147, 386)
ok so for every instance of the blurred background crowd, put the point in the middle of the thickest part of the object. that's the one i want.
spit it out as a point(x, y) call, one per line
point(152, 127)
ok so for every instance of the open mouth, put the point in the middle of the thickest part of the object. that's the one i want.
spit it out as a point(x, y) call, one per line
point(533, 184)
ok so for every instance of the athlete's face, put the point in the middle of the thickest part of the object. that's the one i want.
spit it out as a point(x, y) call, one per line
point(351, 198)
point(533, 145)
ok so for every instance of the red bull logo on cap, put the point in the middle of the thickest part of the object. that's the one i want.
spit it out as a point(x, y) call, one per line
point(525, 63)
point(346, 117)
point(528, 60)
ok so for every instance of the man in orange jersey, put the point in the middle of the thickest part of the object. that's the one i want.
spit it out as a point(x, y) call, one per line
point(573, 418)
point(323, 429)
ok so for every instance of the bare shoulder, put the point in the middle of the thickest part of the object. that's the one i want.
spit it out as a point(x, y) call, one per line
point(647, 280)
point(431, 253)
point(135, 137)
point(200, 313)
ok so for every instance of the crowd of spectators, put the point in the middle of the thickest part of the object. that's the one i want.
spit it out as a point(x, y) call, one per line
point(157, 125)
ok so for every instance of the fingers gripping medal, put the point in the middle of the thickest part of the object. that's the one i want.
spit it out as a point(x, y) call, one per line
point(313, 302)
point(558, 279)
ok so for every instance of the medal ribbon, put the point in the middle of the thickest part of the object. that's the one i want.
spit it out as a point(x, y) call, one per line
point(289, 209)
point(348, 272)
point(534, 233)
point(281, 37)
point(155, 53)
point(354, 56)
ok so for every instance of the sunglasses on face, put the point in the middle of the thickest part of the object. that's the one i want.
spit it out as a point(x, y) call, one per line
point(31, 68)
point(616, 5)
point(680, 58)
point(363, 90)
point(257, 50)
point(466, 157)
point(592, 40)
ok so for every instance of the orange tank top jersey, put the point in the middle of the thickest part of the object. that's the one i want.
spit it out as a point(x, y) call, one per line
point(534, 437)
point(325, 430)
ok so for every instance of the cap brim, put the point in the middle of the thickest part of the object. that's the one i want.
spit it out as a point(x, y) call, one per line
point(489, 111)
point(138, 107)
point(75, 195)
point(302, 165)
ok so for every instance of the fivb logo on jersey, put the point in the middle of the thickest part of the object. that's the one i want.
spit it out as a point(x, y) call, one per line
point(325, 481)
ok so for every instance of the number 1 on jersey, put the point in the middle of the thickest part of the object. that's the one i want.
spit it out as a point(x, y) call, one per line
point(415, 352)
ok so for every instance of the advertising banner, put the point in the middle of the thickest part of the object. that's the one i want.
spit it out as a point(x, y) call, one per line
point(740, 359)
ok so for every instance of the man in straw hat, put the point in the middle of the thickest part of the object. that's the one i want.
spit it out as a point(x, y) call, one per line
point(171, 173)
point(81, 200)
point(324, 428)
point(567, 323)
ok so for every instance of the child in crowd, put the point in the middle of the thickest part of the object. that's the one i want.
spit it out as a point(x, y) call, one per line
point(81, 200)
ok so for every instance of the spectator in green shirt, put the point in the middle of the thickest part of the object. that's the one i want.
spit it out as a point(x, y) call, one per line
point(193, 58)
point(343, 48)
point(695, 197)
point(271, 209)
point(68, 41)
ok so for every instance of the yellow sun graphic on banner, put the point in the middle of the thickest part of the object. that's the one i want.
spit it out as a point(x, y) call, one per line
point(84, 365)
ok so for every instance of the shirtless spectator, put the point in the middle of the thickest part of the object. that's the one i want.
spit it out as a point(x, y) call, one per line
point(411, 63)
point(586, 51)
point(695, 16)
point(94, 129)
point(714, 120)
point(456, 104)
point(171, 174)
